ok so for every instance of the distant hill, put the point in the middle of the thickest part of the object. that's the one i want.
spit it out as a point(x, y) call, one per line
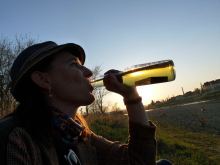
point(209, 91)
point(212, 85)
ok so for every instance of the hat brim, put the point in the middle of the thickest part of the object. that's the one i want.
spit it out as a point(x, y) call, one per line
point(75, 49)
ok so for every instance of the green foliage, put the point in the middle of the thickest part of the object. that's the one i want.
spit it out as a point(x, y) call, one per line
point(180, 146)
point(113, 128)
point(181, 154)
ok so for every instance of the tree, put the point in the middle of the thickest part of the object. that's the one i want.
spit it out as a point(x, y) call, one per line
point(196, 91)
point(8, 51)
point(99, 93)
point(115, 107)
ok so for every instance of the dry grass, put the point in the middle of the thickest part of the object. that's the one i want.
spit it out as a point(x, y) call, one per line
point(186, 135)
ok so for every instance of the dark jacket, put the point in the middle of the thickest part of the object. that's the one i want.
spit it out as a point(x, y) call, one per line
point(21, 149)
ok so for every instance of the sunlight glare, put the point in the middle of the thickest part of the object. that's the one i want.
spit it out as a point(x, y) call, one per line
point(146, 92)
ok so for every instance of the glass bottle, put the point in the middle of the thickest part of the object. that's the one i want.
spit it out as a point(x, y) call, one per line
point(144, 74)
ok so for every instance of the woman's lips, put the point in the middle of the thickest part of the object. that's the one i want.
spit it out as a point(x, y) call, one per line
point(91, 88)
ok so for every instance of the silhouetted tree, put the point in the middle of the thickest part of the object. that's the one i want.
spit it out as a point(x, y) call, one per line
point(8, 51)
point(99, 93)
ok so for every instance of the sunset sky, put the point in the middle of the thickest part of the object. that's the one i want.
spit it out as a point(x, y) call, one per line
point(121, 33)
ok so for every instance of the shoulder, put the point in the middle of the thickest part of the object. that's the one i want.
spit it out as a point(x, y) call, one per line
point(11, 128)
point(14, 138)
point(20, 139)
point(21, 146)
point(19, 135)
point(13, 134)
point(7, 124)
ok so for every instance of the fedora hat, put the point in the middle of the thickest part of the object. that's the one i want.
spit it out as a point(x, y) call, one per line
point(36, 53)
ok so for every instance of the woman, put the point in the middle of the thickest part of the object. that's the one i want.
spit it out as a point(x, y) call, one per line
point(50, 82)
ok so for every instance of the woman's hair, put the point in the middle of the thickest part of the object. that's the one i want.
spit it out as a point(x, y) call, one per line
point(83, 122)
point(33, 109)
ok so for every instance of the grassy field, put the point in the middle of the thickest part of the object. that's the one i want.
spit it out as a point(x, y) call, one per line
point(182, 144)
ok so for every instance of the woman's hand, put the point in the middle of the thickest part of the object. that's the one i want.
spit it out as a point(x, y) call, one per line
point(132, 100)
point(114, 83)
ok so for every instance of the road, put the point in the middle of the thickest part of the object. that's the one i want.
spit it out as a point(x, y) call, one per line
point(201, 116)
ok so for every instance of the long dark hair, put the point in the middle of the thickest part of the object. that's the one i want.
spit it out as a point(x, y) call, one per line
point(33, 109)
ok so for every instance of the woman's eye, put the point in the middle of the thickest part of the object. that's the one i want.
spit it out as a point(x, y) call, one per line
point(75, 64)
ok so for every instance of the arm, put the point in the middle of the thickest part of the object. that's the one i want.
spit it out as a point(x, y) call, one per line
point(135, 108)
point(141, 148)
point(132, 100)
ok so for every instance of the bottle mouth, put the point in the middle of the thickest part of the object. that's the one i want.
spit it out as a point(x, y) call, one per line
point(100, 78)
point(96, 79)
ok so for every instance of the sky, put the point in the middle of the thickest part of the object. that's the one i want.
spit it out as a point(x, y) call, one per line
point(121, 33)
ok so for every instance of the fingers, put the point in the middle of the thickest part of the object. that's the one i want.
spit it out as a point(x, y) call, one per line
point(113, 82)
point(116, 73)
point(113, 71)
point(110, 81)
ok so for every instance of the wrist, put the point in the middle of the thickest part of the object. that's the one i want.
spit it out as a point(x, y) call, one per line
point(134, 100)
point(130, 94)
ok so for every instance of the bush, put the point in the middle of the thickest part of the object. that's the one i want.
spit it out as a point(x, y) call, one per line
point(111, 126)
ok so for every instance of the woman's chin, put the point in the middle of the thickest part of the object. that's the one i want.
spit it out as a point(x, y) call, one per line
point(90, 100)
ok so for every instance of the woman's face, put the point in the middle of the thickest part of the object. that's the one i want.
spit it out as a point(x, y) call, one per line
point(69, 80)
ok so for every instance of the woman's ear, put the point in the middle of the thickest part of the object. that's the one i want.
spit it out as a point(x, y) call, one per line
point(41, 79)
